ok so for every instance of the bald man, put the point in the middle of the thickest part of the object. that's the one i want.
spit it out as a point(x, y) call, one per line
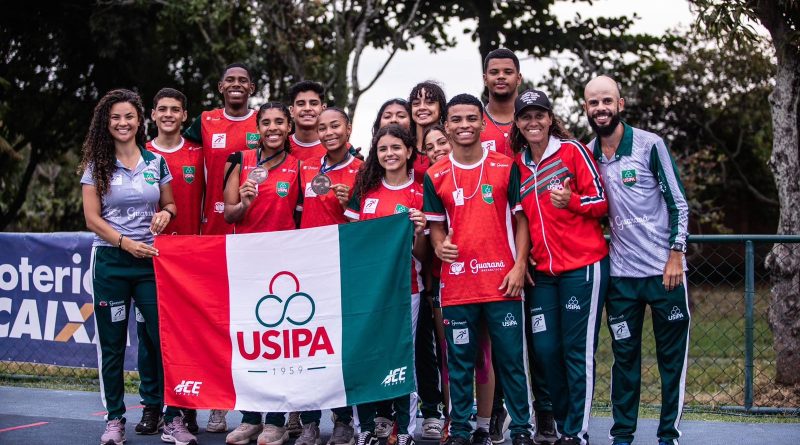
point(649, 215)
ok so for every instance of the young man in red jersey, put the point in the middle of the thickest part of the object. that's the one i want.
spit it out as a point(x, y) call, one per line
point(475, 192)
point(502, 78)
point(185, 158)
point(223, 131)
point(307, 102)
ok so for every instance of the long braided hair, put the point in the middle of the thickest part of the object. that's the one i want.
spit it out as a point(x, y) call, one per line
point(371, 172)
point(98, 150)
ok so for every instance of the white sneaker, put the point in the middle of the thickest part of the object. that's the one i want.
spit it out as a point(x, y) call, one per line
point(432, 429)
point(383, 427)
point(216, 421)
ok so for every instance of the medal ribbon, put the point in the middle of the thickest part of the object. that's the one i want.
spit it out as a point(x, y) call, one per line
point(259, 162)
point(323, 169)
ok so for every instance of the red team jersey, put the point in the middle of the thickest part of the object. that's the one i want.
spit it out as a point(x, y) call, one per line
point(477, 201)
point(220, 136)
point(421, 165)
point(305, 151)
point(273, 208)
point(496, 137)
point(185, 162)
point(386, 200)
point(324, 210)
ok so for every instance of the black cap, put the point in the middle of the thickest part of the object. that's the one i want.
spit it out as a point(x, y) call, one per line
point(531, 98)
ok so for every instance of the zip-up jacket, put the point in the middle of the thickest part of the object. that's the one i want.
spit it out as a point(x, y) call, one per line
point(570, 238)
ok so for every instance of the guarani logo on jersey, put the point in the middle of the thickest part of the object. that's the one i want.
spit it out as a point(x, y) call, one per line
point(149, 176)
point(282, 188)
point(400, 208)
point(188, 173)
point(252, 140)
point(283, 319)
point(629, 177)
point(486, 192)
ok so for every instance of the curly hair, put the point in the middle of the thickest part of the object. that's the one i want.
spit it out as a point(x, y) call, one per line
point(557, 130)
point(371, 172)
point(432, 91)
point(287, 146)
point(98, 150)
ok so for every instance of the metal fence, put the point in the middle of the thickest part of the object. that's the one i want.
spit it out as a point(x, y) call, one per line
point(731, 356)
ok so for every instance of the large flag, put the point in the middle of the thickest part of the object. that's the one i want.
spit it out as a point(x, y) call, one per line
point(287, 321)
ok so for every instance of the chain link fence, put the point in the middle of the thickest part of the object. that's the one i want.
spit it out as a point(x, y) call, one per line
point(731, 356)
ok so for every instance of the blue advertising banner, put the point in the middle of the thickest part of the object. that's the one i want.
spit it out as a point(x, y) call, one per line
point(46, 310)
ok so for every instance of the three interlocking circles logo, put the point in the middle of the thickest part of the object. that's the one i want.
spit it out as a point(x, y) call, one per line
point(272, 310)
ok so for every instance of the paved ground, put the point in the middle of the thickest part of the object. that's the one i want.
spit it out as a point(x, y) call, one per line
point(39, 416)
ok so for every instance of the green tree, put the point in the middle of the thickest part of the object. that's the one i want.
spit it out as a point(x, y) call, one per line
point(729, 22)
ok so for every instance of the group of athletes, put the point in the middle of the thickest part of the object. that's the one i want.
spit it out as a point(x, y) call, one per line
point(510, 271)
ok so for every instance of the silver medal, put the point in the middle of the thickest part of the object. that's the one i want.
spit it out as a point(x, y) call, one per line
point(321, 184)
point(258, 175)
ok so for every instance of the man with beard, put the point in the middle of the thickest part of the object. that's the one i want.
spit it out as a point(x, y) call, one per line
point(649, 215)
point(501, 78)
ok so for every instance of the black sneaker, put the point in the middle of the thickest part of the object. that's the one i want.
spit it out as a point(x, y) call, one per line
point(480, 437)
point(498, 425)
point(457, 440)
point(545, 429)
point(405, 439)
point(151, 420)
point(190, 420)
point(521, 439)
point(366, 438)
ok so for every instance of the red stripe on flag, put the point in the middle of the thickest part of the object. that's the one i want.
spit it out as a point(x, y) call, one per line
point(192, 272)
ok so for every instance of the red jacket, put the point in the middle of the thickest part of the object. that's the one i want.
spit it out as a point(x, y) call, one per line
point(570, 238)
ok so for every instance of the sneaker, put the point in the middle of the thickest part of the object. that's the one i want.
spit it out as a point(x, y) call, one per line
point(457, 440)
point(177, 433)
point(521, 439)
point(342, 434)
point(216, 421)
point(383, 427)
point(293, 425)
point(243, 434)
point(114, 433)
point(272, 435)
point(498, 425)
point(309, 435)
point(445, 431)
point(190, 420)
point(405, 439)
point(545, 429)
point(151, 420)
point(432, 429)
point(366, 438)
point(480, 437)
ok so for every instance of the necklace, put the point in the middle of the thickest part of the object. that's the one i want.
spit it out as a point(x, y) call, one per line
point(480, 177)
point(494, 122)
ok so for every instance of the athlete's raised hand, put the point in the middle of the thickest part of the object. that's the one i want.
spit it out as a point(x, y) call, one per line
point(448, 252)
point(248, 192)
point(560, 197)
point(342, 193)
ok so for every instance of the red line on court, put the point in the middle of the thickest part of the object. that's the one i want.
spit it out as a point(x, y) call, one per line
point(103, 413)
point(30, 425)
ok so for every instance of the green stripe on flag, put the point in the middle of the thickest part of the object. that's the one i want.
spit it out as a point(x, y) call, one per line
point(377, 342)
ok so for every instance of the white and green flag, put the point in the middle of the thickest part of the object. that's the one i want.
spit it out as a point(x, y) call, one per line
point(287, 321)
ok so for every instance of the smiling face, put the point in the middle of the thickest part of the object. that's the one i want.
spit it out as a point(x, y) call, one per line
point(603, 105)
point(395, 114)
point(534, 125)
point(273, 126)
point(236, 87)
point(502, 78)
point(437, 146)
point(425, 110)
point(168, 115)
point(123, 122)
point(306, 109)
point(333, 130)
point(464, 124)
point(392, 153)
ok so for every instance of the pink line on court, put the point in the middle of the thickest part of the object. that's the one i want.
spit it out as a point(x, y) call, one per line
point(30, 425)
point(103, 413)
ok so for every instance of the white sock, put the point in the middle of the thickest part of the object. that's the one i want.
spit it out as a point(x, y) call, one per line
point(482, 423)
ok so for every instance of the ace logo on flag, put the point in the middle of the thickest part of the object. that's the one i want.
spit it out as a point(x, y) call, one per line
point(252, 321)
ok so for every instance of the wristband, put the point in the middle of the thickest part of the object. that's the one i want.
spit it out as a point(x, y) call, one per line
point(172, 215)
point(119, 243)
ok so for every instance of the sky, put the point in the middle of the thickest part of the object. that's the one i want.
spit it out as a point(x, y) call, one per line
point(459, 69)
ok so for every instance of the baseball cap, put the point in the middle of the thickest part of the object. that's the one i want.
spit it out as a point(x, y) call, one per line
point(531, 98)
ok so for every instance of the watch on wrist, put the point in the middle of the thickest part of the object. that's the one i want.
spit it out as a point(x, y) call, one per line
point(678, 247)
